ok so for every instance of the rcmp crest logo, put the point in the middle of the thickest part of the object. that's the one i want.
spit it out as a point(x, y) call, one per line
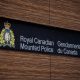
point(7, 36)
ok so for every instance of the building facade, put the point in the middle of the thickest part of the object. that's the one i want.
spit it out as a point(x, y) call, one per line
point(18, 65)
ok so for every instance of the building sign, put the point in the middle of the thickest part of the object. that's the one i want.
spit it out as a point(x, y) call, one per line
point(25, 36)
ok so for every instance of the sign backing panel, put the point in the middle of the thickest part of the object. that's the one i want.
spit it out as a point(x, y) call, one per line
point(25, 36)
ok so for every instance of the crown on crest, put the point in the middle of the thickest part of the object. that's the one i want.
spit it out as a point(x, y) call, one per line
point(7, 24)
